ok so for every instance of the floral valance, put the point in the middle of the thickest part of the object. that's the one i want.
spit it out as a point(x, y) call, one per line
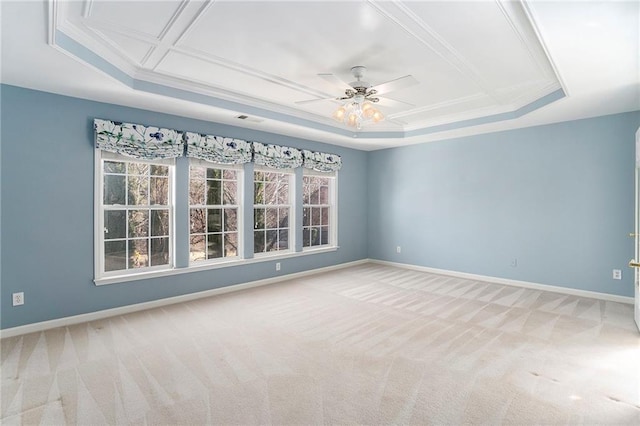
point(276, 157)
point(137, 141)
point(217, 149)
point(321, 161)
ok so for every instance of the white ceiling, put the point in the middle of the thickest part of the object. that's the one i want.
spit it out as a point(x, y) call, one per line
point(481, 66)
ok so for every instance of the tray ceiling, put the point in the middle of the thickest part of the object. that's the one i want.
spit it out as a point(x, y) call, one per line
point(480, 65)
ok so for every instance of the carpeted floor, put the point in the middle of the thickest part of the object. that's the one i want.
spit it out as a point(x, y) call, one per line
point(369, 344)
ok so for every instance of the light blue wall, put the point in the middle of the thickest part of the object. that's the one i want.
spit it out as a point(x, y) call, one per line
point(558, 198)
point(47, 172)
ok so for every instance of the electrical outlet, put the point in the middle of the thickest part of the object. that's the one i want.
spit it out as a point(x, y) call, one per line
point(18, 299)
point(398, 249)
point(277, 266)
point(617, 274)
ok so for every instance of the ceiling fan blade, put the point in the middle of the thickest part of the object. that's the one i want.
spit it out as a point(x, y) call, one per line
point(335, 81)
point(392, 103)
point(397, 84)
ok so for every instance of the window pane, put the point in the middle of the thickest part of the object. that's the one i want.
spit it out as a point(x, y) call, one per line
point(159, 191)
point(214, 246)
point(138, 223)
point(138, 190)
point(197, 173)
point(324, 216)
point(231, 244)
point(213, 192)
point(196, 191)
point(272, 241)
point(324, 195)
point(114, 190)
point(115, 224)
point(114, 167)
point(198, 223)
point(213, 174)
point(229, 174)
point(324, 235)
point(229, 190)
point(306, 216)
point(258, 241)
point(315, 194)
point(230, 220)
point(283, 194)
point(138, 253)
point(159, 170)
point(196, 248)
point(115, 255)
point(315, 236)
point(283, 239)
point(138, 169)
point(258, 219)
point(306, 192)
point(270, 196)
point(306, 237)
point(258, 193)
point(159, 251)
point(159, 223)
point(214, 220)
point(258, 176)
point(272, 218)
point(283, 218)
point(315, 216)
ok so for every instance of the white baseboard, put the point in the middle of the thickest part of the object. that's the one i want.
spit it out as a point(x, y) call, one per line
point(515, 283)
point(106, 313)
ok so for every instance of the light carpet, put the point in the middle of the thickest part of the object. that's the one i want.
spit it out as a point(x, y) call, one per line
point(368, 344)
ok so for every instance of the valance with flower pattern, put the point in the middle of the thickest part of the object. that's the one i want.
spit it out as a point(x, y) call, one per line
point(145, 142)
point(321, 161)
point(137, 141)
point(217, 149)
point(275, 156)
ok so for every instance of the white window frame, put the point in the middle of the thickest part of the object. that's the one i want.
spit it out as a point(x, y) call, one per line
point(99, 209)
point(333, 209)
point(239, 169)
point(292, 211)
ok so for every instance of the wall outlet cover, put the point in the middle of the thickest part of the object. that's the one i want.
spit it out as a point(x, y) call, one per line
point(18, 299)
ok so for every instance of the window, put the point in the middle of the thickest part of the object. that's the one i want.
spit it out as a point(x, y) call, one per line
point(139, 234)
point(272, 211)
point(214, 212)
point(135, 215)
point(318, 217)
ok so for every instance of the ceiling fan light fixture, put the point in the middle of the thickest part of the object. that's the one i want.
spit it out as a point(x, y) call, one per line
point(368, 111)
point(339, 114)
point(356, 114)
point(352, 119)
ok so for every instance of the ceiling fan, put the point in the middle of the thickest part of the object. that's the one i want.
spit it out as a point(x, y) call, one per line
point(359, 97)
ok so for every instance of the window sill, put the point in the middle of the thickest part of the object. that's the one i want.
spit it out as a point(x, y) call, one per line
point(209, 266)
